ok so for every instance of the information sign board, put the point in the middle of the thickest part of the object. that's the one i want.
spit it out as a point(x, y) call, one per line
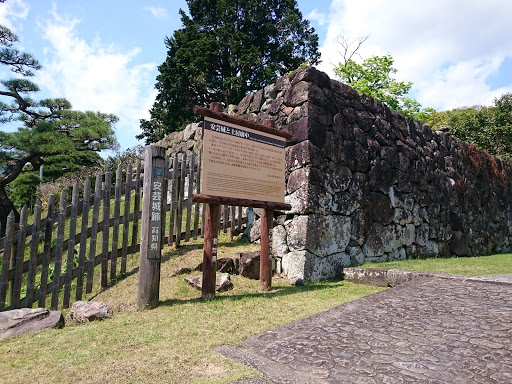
point(241, 162)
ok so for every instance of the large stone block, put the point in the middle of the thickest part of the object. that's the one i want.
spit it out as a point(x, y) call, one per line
point(18, 321)
point(345, 203)
point(303, 177)
point(313, 111)
point(361, 226)
point(279, 244)
point(337, 178)
point(365, 120)
point(310, 74)
point(422, 233)
point(409, 235)
point(304, 91)
point(297, 95)
point(380, 209)
point(307, 129)
point(244, 104)
point(309, 199)
point(308, 266)
point(383, 239)
point(319, 234)
point(342, 124)
point(302, 154)
point(86, 311)
point(381, 176)
point(459, 243)
point(344, 90)
point(356, 156)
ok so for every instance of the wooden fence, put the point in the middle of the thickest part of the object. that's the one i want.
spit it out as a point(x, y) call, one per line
point(56, 255)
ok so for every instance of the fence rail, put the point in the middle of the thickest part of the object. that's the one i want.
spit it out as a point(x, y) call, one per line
point(55, 256)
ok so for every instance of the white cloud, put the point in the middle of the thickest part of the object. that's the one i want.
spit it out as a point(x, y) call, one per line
point(96, 76)
point(317, 16)
point(158, 12)
point(12, 11)
point(448, 49)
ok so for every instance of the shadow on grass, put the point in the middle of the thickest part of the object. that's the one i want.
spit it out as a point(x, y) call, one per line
point(275, 292)
point(169, 253)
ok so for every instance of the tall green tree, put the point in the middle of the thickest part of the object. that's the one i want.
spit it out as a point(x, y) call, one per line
point(489, 128)
point(374, 76)
point(225, 49)
point(47, 127)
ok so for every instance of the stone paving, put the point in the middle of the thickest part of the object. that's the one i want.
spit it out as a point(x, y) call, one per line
point(429, 330)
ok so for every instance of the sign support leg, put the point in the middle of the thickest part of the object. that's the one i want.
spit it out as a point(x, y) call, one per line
point(265, 269)
point(211, 231)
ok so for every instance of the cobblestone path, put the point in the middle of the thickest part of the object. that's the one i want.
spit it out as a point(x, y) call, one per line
point(429, 330)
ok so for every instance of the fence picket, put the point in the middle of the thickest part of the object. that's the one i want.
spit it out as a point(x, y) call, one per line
point(115, 229)
point(83, 240)
point(6, 260)
point(196, 207)
point(126, 217)
point(225, 218)
point(239, 219)
point(71, 247)
point(94, 234)
point(232, 222)
point(45, 262)
point(32, 264)
point(136, 212)
point(165, 188)
point(189, 196)
point(105, 229)
point(57, 266)
point(18, 260)
point(181, 193)
point(174, 203)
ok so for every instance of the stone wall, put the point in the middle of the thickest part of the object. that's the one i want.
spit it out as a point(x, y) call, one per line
point(366, 184)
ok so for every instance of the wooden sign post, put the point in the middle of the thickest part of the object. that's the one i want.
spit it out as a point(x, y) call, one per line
point(211, 230)
point(152, 231)
point(244, 165)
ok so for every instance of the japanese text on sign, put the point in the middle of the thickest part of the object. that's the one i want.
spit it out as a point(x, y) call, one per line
point(243, 163)
point(155, 219)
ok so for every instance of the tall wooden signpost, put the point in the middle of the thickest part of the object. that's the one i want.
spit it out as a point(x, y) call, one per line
point(152, 227)
point(244, 165)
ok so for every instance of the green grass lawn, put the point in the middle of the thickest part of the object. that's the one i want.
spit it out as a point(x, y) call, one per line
point(174, 342)
point(468, 266)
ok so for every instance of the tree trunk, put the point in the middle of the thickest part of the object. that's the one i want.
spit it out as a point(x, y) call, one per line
point(6, 206)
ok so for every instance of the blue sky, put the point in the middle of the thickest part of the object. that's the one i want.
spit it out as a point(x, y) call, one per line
point(103, 55)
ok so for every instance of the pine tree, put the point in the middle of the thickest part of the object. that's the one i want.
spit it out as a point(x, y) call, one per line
point(47, 127)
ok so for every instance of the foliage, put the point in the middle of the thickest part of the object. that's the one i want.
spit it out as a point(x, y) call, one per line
point(54, 186)
point(47, 127)
point(122, 159)
point(23, 190)
point(225, 49)
point(488, 128)
point(374, 77)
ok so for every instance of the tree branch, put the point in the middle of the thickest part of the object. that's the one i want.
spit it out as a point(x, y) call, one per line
point(14, 167)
